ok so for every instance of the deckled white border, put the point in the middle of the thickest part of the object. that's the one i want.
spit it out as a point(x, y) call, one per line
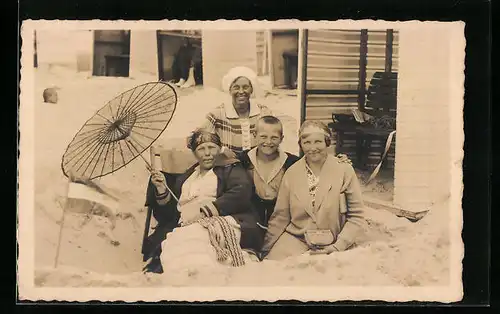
point(27, 290)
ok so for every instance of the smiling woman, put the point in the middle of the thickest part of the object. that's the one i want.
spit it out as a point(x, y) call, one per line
point(319, 206)
point(241, 90)
point(236, 122)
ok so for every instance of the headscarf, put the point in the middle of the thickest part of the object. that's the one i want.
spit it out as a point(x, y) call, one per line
point(199, 137)
point(311, 127)
point(236, 73)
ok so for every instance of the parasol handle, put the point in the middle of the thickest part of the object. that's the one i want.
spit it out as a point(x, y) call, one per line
point(152, 166)
point(152, 157)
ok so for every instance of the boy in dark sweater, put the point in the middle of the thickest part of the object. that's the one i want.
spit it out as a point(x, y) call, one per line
point(266, 164)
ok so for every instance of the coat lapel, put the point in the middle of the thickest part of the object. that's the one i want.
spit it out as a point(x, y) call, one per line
point(302, 192)
point(182, 178)
point(278, 165)
point(325, 183)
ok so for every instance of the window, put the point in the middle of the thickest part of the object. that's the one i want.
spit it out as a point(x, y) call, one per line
point(111, 53)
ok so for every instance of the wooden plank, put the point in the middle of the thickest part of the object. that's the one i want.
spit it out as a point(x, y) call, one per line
point(378, 50)
point(317, 85)
point(338, 60)
point(335, 54)
point(178, 34)
point(348, 35)
point(348, 97)
point(389, 50)
point(345, 75)
point(336, 41)
point(362, 68)
point(334, 47)
point(413, 216)
point(304, 85)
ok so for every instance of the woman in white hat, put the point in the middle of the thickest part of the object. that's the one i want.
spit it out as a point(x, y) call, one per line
point(235, 121)
point(319, 206)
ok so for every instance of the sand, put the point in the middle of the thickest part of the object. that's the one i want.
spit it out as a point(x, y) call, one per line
point(392, 251)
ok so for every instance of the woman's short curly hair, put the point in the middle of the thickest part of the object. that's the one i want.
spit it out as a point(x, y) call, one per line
point(200, 136)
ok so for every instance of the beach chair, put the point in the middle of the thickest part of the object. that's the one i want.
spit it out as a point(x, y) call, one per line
point(381, 100)
point(173, 162)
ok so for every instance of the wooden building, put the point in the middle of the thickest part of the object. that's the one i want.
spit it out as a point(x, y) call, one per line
point(338, 67)
point(150, 53)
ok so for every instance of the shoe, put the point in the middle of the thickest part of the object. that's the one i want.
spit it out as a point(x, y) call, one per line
point(154, 266)
point(190, 81)
point(187, 84)
point(180, 83)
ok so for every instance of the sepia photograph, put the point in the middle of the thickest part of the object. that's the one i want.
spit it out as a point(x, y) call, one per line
point(312, 161)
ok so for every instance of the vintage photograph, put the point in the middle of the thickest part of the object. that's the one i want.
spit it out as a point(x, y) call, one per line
point(242, 161)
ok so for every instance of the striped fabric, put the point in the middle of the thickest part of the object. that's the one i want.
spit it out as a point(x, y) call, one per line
point(224, 240)
point(235, 133)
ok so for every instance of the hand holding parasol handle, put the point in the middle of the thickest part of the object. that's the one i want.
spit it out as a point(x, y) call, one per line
point(152, 166)
point(152, 158)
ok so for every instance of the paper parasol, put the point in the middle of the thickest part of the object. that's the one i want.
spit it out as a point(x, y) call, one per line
point(120, 131)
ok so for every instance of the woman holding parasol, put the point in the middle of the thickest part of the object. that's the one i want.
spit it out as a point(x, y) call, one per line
point(211, 204)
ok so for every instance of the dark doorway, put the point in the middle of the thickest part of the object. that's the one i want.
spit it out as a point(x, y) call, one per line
point(180, 56)
point(35, 56)
point(284, 58)
point(111, 53)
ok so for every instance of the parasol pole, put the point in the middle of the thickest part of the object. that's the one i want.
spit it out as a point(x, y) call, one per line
point(147, 225)
point(65, 205)
point(152, 166)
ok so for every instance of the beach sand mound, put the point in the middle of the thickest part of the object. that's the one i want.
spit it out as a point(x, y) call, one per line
point(392, 252)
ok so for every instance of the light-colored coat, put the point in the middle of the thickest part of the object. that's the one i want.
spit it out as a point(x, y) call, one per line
point(338, 206)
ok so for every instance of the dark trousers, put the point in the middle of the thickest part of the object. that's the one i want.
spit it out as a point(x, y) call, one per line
point(166, 215)
point(181, 64)
point(265, 209)
point(198, 73)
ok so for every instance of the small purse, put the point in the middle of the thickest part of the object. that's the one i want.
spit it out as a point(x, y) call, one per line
point(319, 237)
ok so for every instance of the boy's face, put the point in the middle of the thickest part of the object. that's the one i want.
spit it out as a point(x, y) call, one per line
point(269, 137)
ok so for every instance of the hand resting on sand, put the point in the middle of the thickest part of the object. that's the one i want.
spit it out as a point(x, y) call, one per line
point(325, 250)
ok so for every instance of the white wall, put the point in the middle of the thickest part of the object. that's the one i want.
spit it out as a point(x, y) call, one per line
point(423, 159)
point(64, 47)
point(225, 49)
point(143, 54)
